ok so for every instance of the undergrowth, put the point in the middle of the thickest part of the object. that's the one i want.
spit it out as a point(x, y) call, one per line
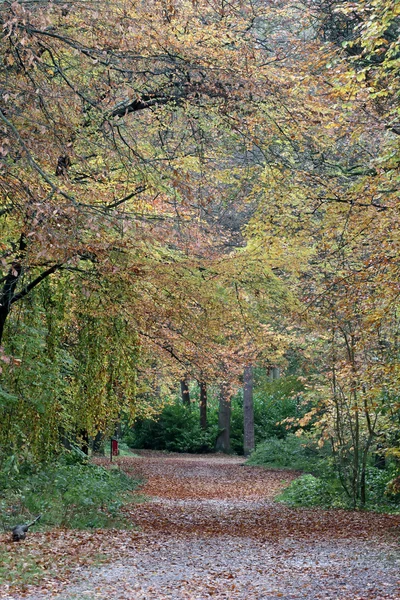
point(177, 427)
point(320, 484)
point(71, 493)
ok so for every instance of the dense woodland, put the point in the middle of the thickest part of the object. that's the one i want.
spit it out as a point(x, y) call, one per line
point(200, 226)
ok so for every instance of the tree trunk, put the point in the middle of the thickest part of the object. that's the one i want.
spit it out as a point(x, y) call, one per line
point(98, 444)
point(203, 404)
point(274, 373)
point(7, 295)
point(379, 458)
point(3, 317)
point(83, 438)
point(185, 392)
point(65, 440)
point(223, 443)
point(248, 411)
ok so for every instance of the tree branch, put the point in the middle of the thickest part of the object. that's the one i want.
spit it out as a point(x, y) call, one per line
point(31, 160)
point(136, 192)
point(34, 283)
point(146, 101)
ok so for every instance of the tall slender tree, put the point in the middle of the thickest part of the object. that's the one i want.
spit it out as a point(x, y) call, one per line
point(248, 411)
point(223, 442)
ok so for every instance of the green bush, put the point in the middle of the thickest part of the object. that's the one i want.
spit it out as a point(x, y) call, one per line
point(307, 490)
point(79, 495)
point(275, 401)
point(327, 492)
point(177, 429)
point(292, 452)
point(321, 486)
point(379, 496)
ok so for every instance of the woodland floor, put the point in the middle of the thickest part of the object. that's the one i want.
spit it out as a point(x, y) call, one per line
point(212, 530)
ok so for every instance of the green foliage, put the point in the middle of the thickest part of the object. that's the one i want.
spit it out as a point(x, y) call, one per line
point(33, 384)
point(292, 452)
point(177, 429)
point(381, 495)
point(307, 490)
point(65, 368)
point(275, 401)
point(78, 495)
point(320, 485)
point(327, 492)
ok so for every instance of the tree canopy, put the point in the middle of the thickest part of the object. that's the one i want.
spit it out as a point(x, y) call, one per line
point(191, 187)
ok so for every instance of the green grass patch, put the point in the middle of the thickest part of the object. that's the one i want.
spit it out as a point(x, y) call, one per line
point(20, 568)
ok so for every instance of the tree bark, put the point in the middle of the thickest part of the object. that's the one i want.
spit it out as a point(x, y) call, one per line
point(98, 444)
point(3, 317)
point(223, 443)
point(8, 295)
point(248, 411)
point(83, 438)
point(65, 440)
point(274, 373)
point(185, 392)
point(203, 404)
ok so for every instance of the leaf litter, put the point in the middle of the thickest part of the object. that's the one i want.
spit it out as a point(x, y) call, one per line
point(211, 529)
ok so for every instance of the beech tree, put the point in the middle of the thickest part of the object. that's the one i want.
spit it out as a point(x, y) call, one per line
point(248, 411)
point(223, 442)
point(125, 127)
point(104, 143)
point(194, 176)
point(326, 223)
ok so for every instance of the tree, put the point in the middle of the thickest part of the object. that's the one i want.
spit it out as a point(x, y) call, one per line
point(223, 442)
point(182, 166)
point(126, 142)
point(185, 392)
point(248, 411)
point(106, 142)
point(203, 404)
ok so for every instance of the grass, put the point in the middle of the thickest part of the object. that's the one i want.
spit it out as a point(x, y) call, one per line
point(19, 567)
point(76, 496)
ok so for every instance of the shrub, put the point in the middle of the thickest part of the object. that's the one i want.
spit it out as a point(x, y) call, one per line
point(292, 452)
point(307, 490)
point(177, 429)
point(321, 486)
point(79, 495)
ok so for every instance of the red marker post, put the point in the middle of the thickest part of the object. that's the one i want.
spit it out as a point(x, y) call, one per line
point(114, 448)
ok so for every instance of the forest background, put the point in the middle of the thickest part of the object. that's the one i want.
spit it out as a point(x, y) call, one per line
point(194, 193)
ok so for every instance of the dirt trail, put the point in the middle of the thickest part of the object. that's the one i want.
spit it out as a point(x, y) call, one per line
point(212, 530)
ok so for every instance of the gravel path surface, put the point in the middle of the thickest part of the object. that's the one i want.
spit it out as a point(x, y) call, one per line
point(212, 531)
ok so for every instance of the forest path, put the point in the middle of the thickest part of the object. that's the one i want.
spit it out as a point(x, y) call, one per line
point(211, 530)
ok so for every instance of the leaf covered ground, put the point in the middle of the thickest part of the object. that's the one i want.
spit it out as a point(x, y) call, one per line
point(212, 530)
